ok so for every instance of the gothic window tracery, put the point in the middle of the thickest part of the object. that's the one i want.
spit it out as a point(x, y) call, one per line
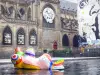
point(7, 36)
point(21, 37)
point(17, 15)
point(20, 13)
point(48, 16)
point(32, 37)
point(10, 10)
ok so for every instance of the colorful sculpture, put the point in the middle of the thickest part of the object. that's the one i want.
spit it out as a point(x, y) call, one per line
point(27, 60)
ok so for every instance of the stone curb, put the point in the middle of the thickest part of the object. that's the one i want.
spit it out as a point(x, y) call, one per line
point(76, 58)
point(8, 61)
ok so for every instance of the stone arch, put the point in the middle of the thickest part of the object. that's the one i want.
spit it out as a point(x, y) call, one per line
point(48, 5)
point(3, 10)
point(33, 37)
point(20, 36)
point(7, 36)
point(76, 41)
point(65, 40)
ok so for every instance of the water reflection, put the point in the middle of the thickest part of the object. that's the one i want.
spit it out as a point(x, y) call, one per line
point(9, 70)
point(76, 67)
point(31, 72)
point(38, 72)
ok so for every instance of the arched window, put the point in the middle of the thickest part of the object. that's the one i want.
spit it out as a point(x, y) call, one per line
point(21, 37)
point(10, 10)
point(22, 11)
point(76, 40)
point(65, 40)
point(29, 14)
point(32, 38)
point(7, 36)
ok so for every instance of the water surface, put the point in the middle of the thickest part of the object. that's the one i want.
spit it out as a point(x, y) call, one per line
point(76, 67)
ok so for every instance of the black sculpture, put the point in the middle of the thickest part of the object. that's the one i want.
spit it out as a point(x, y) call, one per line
point(97, 28)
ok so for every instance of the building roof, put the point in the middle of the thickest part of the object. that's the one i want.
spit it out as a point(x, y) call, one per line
point(69, 6)
point(20, 1)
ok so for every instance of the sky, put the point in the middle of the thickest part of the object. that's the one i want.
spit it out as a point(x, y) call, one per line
point(74, 1)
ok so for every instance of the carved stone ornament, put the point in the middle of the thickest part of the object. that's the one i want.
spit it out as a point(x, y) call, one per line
point(51, 1)
point(69, 24)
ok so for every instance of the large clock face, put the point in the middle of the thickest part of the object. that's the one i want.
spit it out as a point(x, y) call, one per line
point(48, 14)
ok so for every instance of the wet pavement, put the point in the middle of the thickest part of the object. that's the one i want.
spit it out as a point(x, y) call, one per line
point(73, 67)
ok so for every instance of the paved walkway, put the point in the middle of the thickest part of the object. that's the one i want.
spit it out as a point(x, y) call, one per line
point(56, 58)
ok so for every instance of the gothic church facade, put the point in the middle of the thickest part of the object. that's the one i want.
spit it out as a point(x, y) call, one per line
point(36, 23)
